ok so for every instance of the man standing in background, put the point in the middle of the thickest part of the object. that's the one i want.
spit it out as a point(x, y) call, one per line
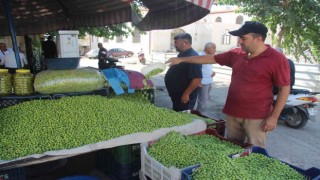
point(206, 82)
point(183, 80)
point(49, 48)
point(3, 51)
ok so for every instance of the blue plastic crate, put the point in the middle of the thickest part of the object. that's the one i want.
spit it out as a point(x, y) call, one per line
point(61, 63)
point(311, 173)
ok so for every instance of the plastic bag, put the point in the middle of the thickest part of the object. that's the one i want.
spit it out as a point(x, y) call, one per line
point(67, 81)
point(153, 69)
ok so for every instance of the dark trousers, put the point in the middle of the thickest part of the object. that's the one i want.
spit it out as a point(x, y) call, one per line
point(177, 105)
point(193, 98)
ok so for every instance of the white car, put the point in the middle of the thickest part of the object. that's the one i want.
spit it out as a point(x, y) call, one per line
point(92, 54)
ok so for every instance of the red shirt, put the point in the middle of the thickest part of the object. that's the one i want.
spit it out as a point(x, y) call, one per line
point(250, 92)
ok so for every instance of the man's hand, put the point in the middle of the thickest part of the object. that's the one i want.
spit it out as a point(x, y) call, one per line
point(184, 98)
point(173, 61)
point(269, 124)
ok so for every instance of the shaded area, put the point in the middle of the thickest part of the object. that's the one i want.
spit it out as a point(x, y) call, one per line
point(40, 16)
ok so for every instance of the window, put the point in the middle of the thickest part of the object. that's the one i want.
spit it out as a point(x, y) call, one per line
point(239, 20)
point(218, 19)
point(136, 38)
point(119, 39)
point(225, 38)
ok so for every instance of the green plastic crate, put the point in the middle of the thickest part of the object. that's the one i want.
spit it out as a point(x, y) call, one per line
point(126, 154)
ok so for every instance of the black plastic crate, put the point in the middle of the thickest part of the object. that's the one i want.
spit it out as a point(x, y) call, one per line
point(101, 92)
point(61, 63)
point(13, 174)
point(6, 101)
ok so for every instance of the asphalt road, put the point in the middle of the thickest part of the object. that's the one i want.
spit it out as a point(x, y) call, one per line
point(300, 147)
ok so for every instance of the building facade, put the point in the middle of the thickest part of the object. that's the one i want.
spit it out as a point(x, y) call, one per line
point(214, 27)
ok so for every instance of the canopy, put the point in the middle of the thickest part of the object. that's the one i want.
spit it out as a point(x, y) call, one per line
point(169, 14)
point(41, 16)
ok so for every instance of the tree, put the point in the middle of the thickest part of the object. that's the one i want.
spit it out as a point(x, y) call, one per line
point(112, 31)
point(295, 24)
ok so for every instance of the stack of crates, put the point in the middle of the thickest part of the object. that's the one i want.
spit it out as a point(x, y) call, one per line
point(121, 162)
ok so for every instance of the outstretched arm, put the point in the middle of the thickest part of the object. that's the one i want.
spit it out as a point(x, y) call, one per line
point(192, 59)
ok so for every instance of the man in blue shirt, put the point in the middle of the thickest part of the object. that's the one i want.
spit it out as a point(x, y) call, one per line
point(182, 80)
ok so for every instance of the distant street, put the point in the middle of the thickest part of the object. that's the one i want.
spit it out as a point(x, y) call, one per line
point(299, 147)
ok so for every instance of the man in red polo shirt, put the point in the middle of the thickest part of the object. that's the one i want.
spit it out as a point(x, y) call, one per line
point(256, 68)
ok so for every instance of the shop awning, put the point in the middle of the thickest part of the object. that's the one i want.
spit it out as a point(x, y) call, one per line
point(169, 14)
point(40, 16)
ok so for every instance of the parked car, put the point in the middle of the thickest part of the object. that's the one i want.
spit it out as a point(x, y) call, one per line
point(118, 52)
point(92, 54)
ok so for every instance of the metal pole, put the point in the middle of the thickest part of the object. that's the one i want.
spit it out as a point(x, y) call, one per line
point(12, 32)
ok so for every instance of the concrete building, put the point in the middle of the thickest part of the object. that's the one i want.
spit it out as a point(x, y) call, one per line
point(214, 27)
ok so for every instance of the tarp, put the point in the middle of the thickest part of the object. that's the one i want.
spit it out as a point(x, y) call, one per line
point(41, 16)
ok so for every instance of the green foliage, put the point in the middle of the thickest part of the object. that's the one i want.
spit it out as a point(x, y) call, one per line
point(295, 23)
point(111, 31)
point(108, 32)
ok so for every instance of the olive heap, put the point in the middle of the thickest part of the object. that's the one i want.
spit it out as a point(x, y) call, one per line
point(213, 156)
point(38, 126)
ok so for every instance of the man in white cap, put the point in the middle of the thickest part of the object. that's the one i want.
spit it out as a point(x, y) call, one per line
point(256, 68)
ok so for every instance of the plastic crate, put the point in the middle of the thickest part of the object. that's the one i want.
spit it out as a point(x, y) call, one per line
point(214, 132)
point(13, 174)
point(155, 170)
point(126, 154)
point(61, 63)
point(102, 92)
point(6, 101)
point(218, 125)
point(311, 173)
point(108, 164)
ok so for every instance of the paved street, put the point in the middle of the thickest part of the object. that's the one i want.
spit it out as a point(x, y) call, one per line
point(299, 147)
